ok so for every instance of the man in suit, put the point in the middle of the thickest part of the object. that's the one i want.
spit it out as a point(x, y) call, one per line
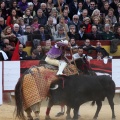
point(94, 35)
point(82, 35)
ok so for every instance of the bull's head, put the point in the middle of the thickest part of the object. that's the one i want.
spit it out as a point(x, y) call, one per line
point(55, 87)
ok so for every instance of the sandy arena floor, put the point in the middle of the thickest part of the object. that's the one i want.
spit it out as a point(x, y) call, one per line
point(86, 111)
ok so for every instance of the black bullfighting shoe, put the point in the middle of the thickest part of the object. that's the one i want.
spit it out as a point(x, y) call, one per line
point(59, 114)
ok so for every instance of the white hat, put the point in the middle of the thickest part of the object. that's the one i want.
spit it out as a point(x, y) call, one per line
point(30, 4)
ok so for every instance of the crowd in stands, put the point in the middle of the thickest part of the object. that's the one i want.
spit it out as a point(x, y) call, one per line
point(53, 20)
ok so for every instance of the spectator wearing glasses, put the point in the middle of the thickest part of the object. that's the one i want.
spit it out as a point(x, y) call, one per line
point(28, 30)
point(75, 21)
point(92, 7)
point(82, 35)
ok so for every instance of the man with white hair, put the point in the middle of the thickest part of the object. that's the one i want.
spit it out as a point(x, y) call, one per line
point(16, 30)
point(75, 21)
point(43, 6)
point(107, 34)
point(54, 56)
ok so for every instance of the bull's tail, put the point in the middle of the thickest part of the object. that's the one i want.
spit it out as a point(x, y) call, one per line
point(19, 99)
point(93, 103)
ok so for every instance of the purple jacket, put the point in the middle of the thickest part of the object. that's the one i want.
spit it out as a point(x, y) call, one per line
point(22, 6)
point(55, 51)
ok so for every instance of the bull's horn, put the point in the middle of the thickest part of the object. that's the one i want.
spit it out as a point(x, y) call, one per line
point(56, 86)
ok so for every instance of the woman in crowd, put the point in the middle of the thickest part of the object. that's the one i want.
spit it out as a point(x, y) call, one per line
point(27, 17)
point(12, 18)
point(7, 33)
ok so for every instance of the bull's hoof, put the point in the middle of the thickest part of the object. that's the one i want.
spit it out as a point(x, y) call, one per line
point(47, 118)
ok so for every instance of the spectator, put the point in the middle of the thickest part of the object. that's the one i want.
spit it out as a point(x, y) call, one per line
point(4, 10)
point(1, 14)
point(104, 9)
point(100, 50)
point(80, 8)
point(72, 32)
point(49, 3)
point(82, 34)
point(2, 24)
point(60, 34)
point(8, 48)
point(30, 7)
point(12, 18)
point(7, 33)
point(97, 23)
point(21, 24)
point(41, 34)
point(83, 15)
point(14, 5)
point(23, 5)
point(22, 54)
point(111, 16)
point(92, 7)
point(3, 56)
point(65, 15)
point(62, 24)
point(35, 24)
point(99, 56)
point(88, 25)
point(86, 4)
point(117, 34)
point(108, 21)
point(114, 4)
point(96, 13)
point(16, 30)
point(66, 7)
point(73, 6)
point(87, 46)
point(85, 67)
point(107, 34)
point(27, 17)
point(43, 7)
point(73, 43)
point(54, 15)
point(117, 12)
point(49, 27)
point(75, 21)
point(94, 35)
point(36, 5)
point(28, 30)
point(33, 56)
point(42, 19)
point(40, 54)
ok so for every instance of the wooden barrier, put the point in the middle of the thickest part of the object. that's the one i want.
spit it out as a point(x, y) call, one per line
point(105, 44)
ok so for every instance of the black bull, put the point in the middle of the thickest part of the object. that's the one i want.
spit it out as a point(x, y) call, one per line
point(75, 90)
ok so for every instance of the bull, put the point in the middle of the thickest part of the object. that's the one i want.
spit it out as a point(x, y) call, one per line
point(75, 90)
